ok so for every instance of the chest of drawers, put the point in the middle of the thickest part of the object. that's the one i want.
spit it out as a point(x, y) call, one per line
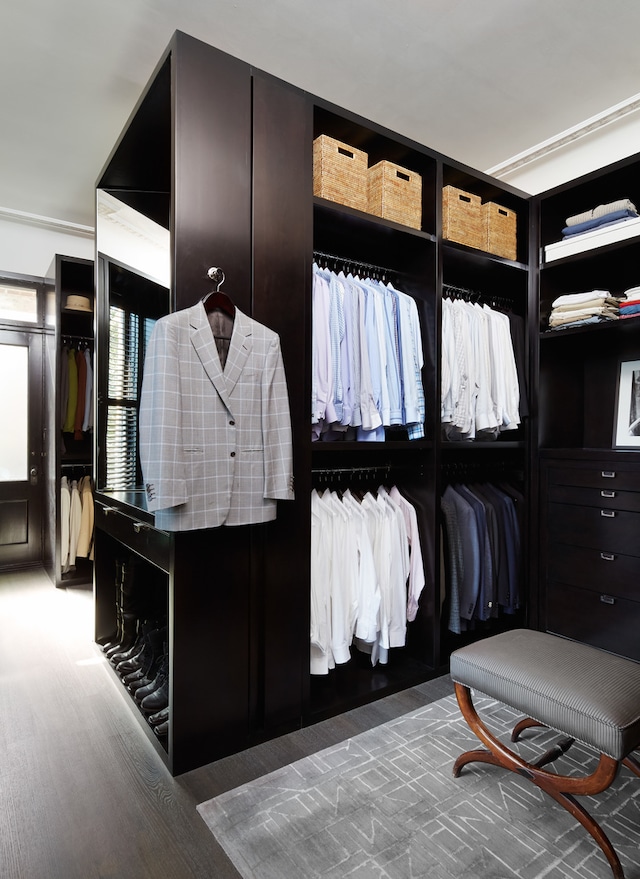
point(590, 520)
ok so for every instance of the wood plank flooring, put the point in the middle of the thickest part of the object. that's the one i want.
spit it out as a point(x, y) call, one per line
point(83, 794)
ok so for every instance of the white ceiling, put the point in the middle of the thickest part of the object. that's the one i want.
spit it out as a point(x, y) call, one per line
point(479, 80)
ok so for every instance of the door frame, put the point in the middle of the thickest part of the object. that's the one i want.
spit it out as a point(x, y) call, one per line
point(38, 335)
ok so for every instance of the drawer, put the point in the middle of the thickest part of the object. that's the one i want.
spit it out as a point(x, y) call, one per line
point(139, 536)
point(607, 498)
point(615, 574)
point(602, 475)
point(601, 620)
point(601, 528)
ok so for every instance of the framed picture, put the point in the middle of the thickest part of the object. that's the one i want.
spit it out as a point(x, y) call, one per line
point(627, 422)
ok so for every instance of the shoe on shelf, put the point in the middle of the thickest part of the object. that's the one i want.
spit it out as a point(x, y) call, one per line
point(162, 730)
point(159, 716)
point(158, 699)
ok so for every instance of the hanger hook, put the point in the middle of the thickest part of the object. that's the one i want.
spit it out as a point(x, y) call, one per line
point(217, 276)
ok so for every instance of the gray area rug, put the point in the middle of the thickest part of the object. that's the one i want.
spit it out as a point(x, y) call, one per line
point(385, 805)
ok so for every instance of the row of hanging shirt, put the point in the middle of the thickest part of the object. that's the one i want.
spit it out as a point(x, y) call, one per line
point(481, 387)
point(367, 574)
point(482, 551)
point(76, 390)
point(76, 521)
point(367, 359)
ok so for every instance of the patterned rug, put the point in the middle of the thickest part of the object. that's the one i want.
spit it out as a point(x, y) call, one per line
point(384, 805)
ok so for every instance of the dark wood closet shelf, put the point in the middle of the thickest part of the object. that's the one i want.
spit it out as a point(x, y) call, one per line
point(363, 216)
point(482, 256)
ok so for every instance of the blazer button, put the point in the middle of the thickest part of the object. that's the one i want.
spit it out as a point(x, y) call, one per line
point(233, 454)
point(232, 423)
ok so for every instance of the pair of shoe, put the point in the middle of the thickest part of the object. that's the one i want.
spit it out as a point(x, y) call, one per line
point(160, 722)
point(154, 695)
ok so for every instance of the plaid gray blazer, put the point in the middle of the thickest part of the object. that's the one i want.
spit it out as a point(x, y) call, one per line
point(215, 445)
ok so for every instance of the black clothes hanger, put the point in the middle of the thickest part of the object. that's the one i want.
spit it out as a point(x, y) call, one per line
point(216, 298)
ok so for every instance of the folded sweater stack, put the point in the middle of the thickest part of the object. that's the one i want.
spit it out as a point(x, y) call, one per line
point(630, 304)
point(604, 215)
point(577, 309)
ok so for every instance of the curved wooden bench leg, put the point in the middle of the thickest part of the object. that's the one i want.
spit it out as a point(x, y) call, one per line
point(520, 727)
point(631, 763)
point(560, 787)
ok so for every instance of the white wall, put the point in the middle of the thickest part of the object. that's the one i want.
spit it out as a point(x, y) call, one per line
point(29, 247)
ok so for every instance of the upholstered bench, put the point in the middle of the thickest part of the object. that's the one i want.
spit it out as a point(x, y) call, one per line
point(579, 691)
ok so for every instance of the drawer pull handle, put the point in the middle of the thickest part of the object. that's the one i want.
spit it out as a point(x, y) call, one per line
point(141, 526)
point(607, 556)
point(609, 474)
point(607, 493)
point(609, 514)
point(107, 510)
point(607, 599)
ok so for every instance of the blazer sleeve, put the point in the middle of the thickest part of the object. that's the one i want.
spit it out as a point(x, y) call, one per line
point(276, 421)
point(161, 447)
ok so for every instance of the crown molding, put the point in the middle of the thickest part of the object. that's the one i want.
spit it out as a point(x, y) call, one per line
point(50, 223)
point(567, 137)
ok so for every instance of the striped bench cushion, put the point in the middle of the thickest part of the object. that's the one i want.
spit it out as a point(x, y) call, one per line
point(580, 691)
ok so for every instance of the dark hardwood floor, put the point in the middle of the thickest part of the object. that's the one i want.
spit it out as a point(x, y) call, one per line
point(83, 793)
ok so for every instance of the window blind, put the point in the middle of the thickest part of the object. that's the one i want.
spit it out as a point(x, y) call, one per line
point(128, 339)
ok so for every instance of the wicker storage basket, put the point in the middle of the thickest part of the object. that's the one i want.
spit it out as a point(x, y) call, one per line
point(340, 172)
point(462, 217)
point(395, 194)
point(499, 230)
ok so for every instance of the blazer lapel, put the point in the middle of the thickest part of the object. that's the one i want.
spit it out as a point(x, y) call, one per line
point(205, 347)
point(239, 349)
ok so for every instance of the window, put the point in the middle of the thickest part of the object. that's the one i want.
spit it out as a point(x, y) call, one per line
point(19, 304)
point(133, 304)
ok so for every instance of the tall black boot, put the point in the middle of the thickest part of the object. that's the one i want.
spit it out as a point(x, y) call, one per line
point(127, 607)
point(114, 639)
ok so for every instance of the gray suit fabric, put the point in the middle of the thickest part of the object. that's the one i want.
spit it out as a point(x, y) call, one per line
point(215, 445)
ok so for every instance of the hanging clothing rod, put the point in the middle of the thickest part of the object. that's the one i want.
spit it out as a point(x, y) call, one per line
point(476, 296)
point(68, 338)
point(465, 292)
point(345, 261)
point(380, 470)
point(323, 471)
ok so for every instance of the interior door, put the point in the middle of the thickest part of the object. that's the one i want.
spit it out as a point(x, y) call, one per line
point(21, 445)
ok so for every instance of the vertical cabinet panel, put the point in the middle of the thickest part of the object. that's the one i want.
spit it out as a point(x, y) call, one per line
point(281, 295)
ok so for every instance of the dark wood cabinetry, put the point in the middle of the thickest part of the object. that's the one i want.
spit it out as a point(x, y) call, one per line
point(219, 156)
point(590, 500)
point(73, 448)
point(590, 519)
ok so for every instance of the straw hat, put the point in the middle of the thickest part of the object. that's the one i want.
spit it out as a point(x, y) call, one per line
point(79, 303)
